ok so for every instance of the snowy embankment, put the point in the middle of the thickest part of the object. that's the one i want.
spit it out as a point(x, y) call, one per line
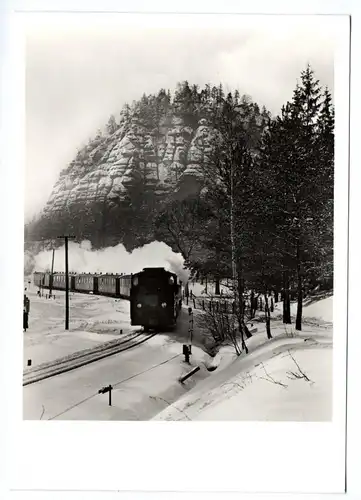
point(93, 321)
point(286, 378)
point(145, 379)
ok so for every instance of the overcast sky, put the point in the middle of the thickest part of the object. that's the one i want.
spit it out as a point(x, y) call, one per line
point(82, 68)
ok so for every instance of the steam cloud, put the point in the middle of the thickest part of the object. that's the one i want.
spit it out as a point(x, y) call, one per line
point(112, 259)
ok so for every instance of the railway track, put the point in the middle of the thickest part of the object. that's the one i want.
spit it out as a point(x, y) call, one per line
point(82, 358)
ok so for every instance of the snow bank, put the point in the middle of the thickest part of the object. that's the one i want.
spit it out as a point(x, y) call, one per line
point(287, 378)
point(322, 309)
point(276, 391)
point(313, 308)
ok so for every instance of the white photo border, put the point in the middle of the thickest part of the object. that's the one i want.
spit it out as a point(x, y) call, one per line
point(38, 450)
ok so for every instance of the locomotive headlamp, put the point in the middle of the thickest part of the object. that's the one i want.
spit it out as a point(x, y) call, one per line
point(164, 304)
point(171, 280)
point(139, 306)
point(135, 281)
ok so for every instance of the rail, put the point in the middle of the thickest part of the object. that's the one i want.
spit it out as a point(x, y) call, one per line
point(82, 358)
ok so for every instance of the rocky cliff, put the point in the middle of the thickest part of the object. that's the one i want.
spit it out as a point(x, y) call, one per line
point(151, 156)
point(164, 160)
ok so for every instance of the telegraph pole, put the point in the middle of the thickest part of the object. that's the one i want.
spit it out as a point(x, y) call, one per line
point(66, 238)
point(51, 275)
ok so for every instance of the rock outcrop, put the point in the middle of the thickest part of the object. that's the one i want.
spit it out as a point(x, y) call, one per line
point(153, 156)
point(162, 159)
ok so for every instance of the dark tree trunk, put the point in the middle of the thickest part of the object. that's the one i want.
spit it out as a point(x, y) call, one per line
point(299, 289)
point(252, 311)
point(260, 304)
point(241, 306)
point(286, 299)
point(289, 309)
point(217, 286)
point(267, 316)
point(272, 305)
point(246, 331)
point(276, 296)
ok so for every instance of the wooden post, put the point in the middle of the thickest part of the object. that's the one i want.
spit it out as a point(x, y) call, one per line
point(190, 326)
point(51, 275)
point(66, 238)
point(192, 372)
point(66, 285)
point(186, 352)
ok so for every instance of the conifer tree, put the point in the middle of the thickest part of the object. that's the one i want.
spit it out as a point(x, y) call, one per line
point(301, 180)
point(111, 126)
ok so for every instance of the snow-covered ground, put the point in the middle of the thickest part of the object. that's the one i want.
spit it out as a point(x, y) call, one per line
point(145, 378)
point(93, 320)
point(318, 310)
point(199, 289)
point(287, 378)
point(144, 381)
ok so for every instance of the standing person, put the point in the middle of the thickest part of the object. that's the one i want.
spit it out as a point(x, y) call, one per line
point(26, 309)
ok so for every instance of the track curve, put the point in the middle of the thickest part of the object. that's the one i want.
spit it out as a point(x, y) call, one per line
point(82, 358)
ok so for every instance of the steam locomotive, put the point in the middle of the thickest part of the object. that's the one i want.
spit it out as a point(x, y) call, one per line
point(155, 294)
point(155, 298)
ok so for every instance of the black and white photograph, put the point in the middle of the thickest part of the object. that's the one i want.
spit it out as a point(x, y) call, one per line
point(179, 219)
point(176, 213)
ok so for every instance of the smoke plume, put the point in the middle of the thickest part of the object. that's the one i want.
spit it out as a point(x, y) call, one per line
point(82, 259)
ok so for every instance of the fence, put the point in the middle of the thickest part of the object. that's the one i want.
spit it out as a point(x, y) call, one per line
point(221, 305)
point(226, 305)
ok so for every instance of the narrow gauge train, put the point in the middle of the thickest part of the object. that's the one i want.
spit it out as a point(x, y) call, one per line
point(155, 298)
point(112, 285)
point(155, 294)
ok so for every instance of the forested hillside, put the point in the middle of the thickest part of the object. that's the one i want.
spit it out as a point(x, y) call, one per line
point(239, 193)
